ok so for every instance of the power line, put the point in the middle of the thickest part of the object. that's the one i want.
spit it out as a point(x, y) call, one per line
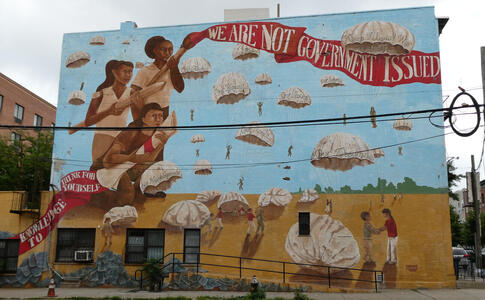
point(313, 96)
point(258, 164)
point(238, 125)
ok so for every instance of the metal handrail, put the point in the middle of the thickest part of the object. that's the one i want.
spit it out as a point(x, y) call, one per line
point(55, 272)
point(283, 263)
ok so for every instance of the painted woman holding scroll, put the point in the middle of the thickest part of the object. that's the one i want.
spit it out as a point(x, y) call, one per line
point(103, 110)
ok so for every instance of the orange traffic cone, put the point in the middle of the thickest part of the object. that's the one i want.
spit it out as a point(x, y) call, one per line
point(52, 286)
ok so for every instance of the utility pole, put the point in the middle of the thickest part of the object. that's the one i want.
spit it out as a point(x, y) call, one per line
point(476, 209)
point(479, 254)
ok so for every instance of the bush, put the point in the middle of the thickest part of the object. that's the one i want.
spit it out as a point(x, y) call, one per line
point(257, 294)
point(153, 273)
point(298, 295)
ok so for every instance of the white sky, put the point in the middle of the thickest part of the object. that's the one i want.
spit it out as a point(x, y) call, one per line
point(31, 38)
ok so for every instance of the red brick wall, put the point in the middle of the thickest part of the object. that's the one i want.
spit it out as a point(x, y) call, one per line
point(13, 93)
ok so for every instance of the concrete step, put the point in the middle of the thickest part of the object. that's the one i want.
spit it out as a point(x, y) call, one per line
point(71, 282)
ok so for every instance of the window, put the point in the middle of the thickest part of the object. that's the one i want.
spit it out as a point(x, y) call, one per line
point(70, 240)
point(191, 245)
point(18, 113)
point(9, 254)
point(37, 120)
point(304, 223)
point(15, 137)
point(144, 244)
point(1, 102)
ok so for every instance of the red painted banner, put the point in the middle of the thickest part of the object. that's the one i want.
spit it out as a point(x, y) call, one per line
point(289, 44)
point(76, 189)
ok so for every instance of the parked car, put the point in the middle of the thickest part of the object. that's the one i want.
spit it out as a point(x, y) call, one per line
point(461, 256)
point(471, 255)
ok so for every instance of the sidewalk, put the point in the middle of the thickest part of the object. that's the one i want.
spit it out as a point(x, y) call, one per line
point(445, 294)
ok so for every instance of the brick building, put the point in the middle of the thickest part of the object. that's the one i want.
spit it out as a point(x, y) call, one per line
point(19, 106)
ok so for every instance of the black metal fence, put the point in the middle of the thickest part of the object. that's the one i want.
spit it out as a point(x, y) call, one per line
point(469, 272)
point(329, 275)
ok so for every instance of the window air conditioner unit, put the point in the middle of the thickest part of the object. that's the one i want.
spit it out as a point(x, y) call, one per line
point(83, 255)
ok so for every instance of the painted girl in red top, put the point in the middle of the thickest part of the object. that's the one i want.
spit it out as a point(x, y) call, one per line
point(391, 227)
point(251, 221)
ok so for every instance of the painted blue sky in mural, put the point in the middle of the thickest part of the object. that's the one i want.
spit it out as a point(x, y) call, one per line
point(422, 161)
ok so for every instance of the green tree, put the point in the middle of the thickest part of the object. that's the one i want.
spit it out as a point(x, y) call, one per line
point(469, 229)
point(459, 232)
point(457, 228)
point(318, 188)
point(25, 165)
point(453, 178)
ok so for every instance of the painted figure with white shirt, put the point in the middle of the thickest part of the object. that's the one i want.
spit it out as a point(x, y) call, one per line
point(103, 111)
point(160, 49)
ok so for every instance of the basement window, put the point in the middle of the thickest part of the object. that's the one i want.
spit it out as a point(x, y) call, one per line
point(144, 244)
point(9, 255)
point(191, 246)
point(75, 244)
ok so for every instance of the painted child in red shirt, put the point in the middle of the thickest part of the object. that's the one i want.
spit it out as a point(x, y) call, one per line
point(391, 227)
point(219, 219)
point(251, 221)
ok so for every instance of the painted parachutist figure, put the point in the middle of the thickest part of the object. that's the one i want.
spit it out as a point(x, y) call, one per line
point(107, 232)
point(219, 219)
point(196, 152)
point(228, 151)
point(251, 225)
point(400, 150)
point(260, 108)
point(328, 207)
point(191, 115)
point(260, 220)
point(290, 149)
point(241, 183)
point(345, 119)
point(373, 118)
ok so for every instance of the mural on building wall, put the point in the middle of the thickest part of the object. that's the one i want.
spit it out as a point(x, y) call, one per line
point(139, 91)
